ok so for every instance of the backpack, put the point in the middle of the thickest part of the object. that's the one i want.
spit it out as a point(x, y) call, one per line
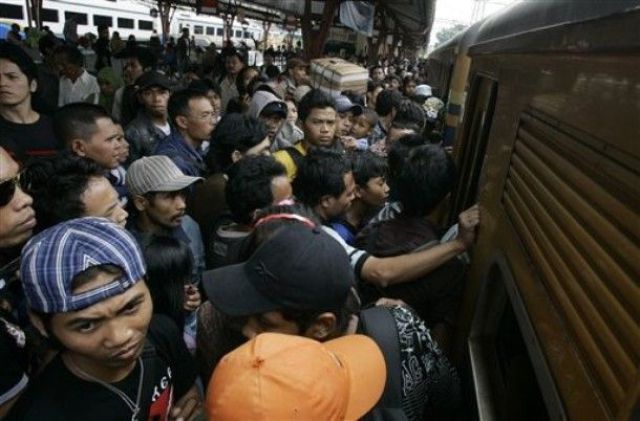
point(379, 324)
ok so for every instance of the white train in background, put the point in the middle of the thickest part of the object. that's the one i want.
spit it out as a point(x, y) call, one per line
point(129, 17)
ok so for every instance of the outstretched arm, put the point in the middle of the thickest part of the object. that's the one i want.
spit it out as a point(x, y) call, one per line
point(408, 267)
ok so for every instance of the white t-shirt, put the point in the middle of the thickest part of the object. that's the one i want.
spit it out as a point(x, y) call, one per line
point(84, 89)
point(166, 128)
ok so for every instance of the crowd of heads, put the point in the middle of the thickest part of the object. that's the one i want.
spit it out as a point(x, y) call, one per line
point(227, 199)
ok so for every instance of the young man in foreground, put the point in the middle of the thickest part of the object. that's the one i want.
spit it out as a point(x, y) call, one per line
point(85, 289)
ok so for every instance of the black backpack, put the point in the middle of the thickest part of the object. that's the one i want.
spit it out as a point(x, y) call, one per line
point(379, 324)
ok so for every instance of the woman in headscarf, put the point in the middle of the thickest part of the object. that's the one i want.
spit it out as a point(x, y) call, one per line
point(109, 83)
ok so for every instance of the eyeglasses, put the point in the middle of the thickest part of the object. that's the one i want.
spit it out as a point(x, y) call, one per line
point(8, 189)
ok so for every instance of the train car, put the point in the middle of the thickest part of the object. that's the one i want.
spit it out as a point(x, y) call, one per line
point(440, 66)
point(128, 18)
point(550, 147)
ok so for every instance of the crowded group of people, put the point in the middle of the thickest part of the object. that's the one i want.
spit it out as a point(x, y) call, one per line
point(228, 242)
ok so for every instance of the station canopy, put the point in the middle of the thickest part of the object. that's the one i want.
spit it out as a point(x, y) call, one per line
point(413, 17)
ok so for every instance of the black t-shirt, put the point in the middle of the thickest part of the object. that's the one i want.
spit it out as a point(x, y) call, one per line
point(24, 141)
point(57, 394)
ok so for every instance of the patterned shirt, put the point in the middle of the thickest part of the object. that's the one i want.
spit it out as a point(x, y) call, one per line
point(430, 384)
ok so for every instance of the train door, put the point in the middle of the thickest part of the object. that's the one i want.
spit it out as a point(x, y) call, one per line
point(471, 156)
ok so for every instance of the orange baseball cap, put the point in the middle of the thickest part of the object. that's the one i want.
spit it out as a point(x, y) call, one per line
point(281, 377)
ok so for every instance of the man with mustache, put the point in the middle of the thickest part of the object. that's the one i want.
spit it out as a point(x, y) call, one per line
point(158, 192)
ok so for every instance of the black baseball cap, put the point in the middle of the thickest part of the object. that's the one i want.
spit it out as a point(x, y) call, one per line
point(298, 269)
point(153, 78)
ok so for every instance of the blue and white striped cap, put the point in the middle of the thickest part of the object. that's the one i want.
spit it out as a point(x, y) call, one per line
point(53, 258)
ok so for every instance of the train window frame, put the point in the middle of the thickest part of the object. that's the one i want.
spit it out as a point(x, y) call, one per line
point(50, 15)
point(80, 18)
point(237, 33)
point(198, 30)
point(219, 32)
point(126, 23)
point(102, 20)
point(11, 11)
point(211, 30)
point(145, 25)
point(476, 130)
point(499, 291)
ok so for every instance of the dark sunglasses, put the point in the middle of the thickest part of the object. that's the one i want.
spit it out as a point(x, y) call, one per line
point(8, 189)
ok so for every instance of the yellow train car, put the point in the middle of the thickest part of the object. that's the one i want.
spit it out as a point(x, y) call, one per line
point(550, 147)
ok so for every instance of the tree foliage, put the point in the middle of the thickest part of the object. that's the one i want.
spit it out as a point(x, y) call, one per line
point(445, 34)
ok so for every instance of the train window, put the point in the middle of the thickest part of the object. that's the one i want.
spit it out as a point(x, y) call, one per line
point(198, 30)
point(247, 35)
point(219, 32)
point(238, 34)
point(145, 25)
point(102, 20)
point(11, 11)
point(125, 23)
point(510, 375)
point(80, 18)
point(480, 109)
point(211, 30)
point(49, 15)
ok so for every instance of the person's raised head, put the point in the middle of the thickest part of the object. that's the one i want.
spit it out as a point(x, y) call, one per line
point(191, 112)
point(17, 217)
point(365, 124)
point(234, 61)
point(88, 130)
point(276, 376)
point(19, 75)
point(325, 183)
point(317, 113)
point(67, 187)
point(254, 183)
point(235, 136)
point(427, 176)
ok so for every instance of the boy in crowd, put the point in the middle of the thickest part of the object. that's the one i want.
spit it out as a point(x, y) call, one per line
point(85, 288)
point(76, 84)
point(67, 187)
point(151, 125)
point(318, 116)
point(158, 193)
point(193, 120)
point(363, 128)
point(23, 131)
point(325, 184)
point(370, 194)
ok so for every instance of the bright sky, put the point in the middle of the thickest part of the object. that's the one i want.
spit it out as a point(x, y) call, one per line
point(451, 12)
